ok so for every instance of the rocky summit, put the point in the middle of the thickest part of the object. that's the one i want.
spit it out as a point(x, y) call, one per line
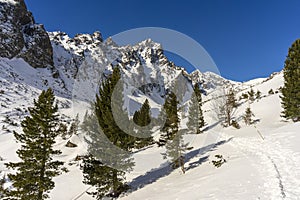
point(21, 37)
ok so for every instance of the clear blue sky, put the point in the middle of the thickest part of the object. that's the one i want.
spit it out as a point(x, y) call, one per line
point(245, 38)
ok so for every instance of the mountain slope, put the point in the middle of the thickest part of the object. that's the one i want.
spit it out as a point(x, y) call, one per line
point(261, 159)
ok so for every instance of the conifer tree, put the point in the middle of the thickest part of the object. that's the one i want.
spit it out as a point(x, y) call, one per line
point(251, 94)
point(175, 150)
point(258, 94)
point(195, 118)
point(63, 130)
point(291, 90)
point(105, 165)
point(248, 116)
point(74, 126)
point(172, 136)
point(171, 125)
point(142, 118)
point(226, 110)
point(2, 190)
point(35, 171)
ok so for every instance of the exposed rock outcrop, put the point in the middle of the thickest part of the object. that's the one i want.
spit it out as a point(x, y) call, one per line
point(21, 37)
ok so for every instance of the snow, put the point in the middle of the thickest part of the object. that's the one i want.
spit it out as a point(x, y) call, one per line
point(262, 159)
point(8, 1)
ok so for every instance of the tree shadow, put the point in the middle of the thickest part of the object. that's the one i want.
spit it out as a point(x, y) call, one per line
point(165, 169)
point(197, 163)
point(211, 126)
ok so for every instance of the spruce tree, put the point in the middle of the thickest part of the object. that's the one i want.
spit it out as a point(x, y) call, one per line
point(195, 118)
point(226, 110)
point(172, 136)
point(258, 94)
point(142, 118)
point(171, 124)
point(291, 90)
point(35, 171)
point(2, 190)
point(248, 116)
point(74, 126)
point(106, 164)
point(175, 150)
point(251, 94)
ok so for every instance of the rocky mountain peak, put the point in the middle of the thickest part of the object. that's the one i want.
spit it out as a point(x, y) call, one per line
point(21, 37)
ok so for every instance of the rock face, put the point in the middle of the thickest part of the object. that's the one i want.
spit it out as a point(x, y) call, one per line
point(21, 37)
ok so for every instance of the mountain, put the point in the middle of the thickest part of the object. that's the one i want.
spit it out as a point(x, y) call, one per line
point(21, 37)
point(261, 159)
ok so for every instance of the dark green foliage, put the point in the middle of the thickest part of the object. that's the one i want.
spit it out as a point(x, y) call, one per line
point(291, 90)
point(251, 94)
point(226, 110)
point(105, 115)
point(271, 91)
point(103, 177)
point(63, 130)
point(142, 118)
point(244, 96)
point(108, 144)
point(74, 126)
point(235, 124)
point(195, 118)
point(219, 162)
point(258, 94)
point(175, 150)
point(170, 128)
point(33, 179)
point(172, 136)
point(248, 116)
point(2, 191)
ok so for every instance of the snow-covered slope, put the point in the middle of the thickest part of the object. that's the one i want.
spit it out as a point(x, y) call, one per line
point(262, 159)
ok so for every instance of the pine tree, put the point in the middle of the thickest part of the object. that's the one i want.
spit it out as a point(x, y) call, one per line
point(291, 90)
point(226, 110)
point(172, 137)
point(175, 150)
point(103, 177)
point(251, 94)
point(108, 145)
point(74, 126)
point(248, 116)
point(2, 190)
point(33, 179)
point(258, 94)
point(171, 124)
point(196, 119)
point(142, 118)
point(63, 130)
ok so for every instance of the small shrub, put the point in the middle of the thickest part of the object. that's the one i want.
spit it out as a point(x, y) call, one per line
point(219, 162)
point(235, 124)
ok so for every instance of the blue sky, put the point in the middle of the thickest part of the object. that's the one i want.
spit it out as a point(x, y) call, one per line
point(245, 38)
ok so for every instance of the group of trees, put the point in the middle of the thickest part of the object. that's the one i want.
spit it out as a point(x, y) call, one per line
point(34, 172)
point(172, 135)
